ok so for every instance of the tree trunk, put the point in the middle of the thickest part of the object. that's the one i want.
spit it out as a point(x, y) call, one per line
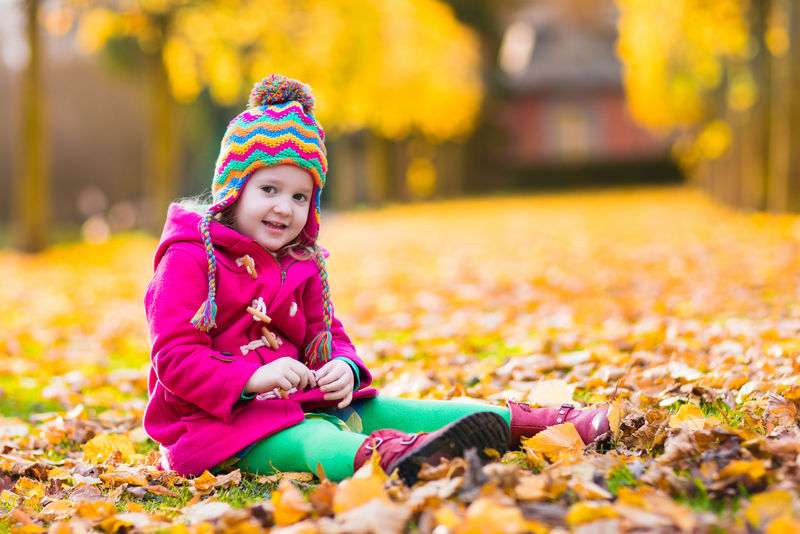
point(793, 109)
point(31, 204)
point(754, 131)
point(343, 162)
point(780, 125)
point(162, 146)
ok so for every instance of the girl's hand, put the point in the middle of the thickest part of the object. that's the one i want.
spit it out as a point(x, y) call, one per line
point(283, 374)
point(336, 379)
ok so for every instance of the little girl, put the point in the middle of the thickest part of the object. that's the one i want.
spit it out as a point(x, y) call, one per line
point(250, 367)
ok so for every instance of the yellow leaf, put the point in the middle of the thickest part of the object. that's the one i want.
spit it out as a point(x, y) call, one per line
point(124, 477)
point(486, 515)
point(98, 449)
point(532, 488)
point(30, 490)
point(767, 506)
point(614, 419)
point(688, 416)
point(57, 509)
point(290, 507)
point(555, 442)
point(784, 524)
point(95, 511)
point(447, 517)
point(204, 482)
point(28, 529)
point(354, 492)
point(753, 469)
point(9, 498)
point(587, 511)
point(113, 524)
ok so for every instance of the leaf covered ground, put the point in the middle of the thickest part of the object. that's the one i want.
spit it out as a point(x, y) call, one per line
point(682, 315)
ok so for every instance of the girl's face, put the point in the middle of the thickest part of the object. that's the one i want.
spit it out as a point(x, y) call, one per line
point(273, 206)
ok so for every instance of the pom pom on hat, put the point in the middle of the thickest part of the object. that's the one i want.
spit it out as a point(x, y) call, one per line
point(275, 89)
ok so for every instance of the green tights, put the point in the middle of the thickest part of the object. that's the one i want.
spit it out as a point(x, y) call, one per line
point(323, 438)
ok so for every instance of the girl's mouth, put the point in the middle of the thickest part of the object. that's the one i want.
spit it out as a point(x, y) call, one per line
point(274, 225)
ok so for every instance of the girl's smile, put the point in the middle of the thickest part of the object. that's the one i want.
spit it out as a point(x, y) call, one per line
point(272, 208)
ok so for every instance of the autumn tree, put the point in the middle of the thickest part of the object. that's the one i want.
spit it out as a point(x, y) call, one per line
point(31, 191)
point(390, 67)
point(718, 76)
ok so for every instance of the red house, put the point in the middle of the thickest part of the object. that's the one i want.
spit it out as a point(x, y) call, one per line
point(566, 104)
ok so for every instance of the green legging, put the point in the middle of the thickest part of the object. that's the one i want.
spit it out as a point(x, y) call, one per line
point(323, 441)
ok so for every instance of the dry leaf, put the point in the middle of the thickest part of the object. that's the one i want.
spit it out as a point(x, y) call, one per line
point(290, 506)
point(765, 507)
point(373, 517)
point(588, 511)
point(101, 447)
point(780, 414)
point(555, 442)
point(204, 482)
point(353, 492)
point(688, 416)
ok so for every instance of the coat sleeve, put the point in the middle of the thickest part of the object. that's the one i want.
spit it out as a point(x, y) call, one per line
point(181, 355)
point(341, 344)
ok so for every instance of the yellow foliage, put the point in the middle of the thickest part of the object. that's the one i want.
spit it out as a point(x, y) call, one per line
point(394, 66)
point(767, 506)
point(354, 492)
point(689, 416)
point(290, 507)
point(101, 447)
point(588, 511)
point(673, 68)
point(555, 442)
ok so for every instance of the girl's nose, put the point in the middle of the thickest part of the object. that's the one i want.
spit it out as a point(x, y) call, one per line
point(281, 205)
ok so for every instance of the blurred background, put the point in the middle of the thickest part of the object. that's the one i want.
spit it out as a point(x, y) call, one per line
point(112, 108)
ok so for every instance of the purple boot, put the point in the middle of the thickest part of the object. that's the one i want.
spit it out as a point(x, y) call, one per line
point(527, 421)
point(407, 452)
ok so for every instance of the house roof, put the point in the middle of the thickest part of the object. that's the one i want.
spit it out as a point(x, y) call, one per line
point(574, 47)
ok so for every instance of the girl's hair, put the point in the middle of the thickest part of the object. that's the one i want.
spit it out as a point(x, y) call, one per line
point(200, 204)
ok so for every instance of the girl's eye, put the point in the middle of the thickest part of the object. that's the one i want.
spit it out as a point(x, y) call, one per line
point(268, 189)
point(300, 197)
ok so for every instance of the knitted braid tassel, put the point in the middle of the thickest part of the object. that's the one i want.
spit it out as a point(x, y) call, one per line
point(318, 351)
point(205, 317)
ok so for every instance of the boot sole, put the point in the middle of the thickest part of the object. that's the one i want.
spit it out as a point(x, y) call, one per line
point(482, 430)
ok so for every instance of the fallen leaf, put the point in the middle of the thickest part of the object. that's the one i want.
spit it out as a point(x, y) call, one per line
point(688, 416)
point(588, 511)
point(57, 509)
point(353, 492)
point(290, 506)
point(101, 447)
point(204, 511)
point(555, 442)
point(767, 506)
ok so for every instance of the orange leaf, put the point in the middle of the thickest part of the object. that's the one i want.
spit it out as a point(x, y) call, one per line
point(587, 511)
point(769, 505)
point(555, 442)
point(753, 469)
point(290, 507)
point(57, 509)
point(204, 482)
point(688, 416)
point(354, 492)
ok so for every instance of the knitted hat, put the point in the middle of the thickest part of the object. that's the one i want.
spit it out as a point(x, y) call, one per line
point(277, 128)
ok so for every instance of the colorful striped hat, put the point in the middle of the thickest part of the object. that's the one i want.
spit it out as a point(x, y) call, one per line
point(277, 128)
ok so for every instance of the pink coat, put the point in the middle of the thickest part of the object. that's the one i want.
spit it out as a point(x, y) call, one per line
point(196, 379)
